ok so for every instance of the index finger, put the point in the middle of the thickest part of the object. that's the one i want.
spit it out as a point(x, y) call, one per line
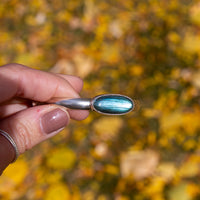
point(20, 81)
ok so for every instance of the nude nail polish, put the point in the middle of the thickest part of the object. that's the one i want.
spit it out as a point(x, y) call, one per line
point(54, 120)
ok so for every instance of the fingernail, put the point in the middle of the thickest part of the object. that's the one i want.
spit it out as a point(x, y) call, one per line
point(54, 120)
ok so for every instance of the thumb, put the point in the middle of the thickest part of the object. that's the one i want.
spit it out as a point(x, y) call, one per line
point(34, 125)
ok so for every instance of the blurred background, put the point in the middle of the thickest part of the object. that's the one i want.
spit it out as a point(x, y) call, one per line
point(146, 49)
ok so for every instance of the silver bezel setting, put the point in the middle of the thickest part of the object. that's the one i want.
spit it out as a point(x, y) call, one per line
point(97, 97)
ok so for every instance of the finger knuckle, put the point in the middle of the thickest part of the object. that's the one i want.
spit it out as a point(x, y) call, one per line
point(23, 133)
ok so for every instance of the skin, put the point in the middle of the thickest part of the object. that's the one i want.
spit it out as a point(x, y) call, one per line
point(19, 86)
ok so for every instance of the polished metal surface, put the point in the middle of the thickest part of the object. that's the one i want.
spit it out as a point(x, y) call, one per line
point(78, 103)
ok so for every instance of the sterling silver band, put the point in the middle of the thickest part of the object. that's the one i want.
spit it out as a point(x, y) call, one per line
point(12, 142)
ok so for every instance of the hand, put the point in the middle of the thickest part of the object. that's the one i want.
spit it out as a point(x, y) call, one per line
point(28, 125)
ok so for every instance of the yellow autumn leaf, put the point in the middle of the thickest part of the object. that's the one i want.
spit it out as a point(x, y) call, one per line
point(191, 43)
point(166, 170)
point(193, 190)
point(54, 177)
point(188, 121)
point(108, 127)
point(112, 169)
point(110, 53)
point(17, 171)
point(156, 187)
point(57, 191)
point(171, 121)
point(137, 70)
point(189, 169)
point(61, 158)
point(195, 13)
point(179, 192)
point(174, 37)
point(88, 195)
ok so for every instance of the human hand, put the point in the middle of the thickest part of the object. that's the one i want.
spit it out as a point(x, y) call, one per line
point(27, 125)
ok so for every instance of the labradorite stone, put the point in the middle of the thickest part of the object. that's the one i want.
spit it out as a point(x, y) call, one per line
point(113, 104)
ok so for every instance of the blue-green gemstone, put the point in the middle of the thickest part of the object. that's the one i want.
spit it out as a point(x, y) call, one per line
point(113, 104)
